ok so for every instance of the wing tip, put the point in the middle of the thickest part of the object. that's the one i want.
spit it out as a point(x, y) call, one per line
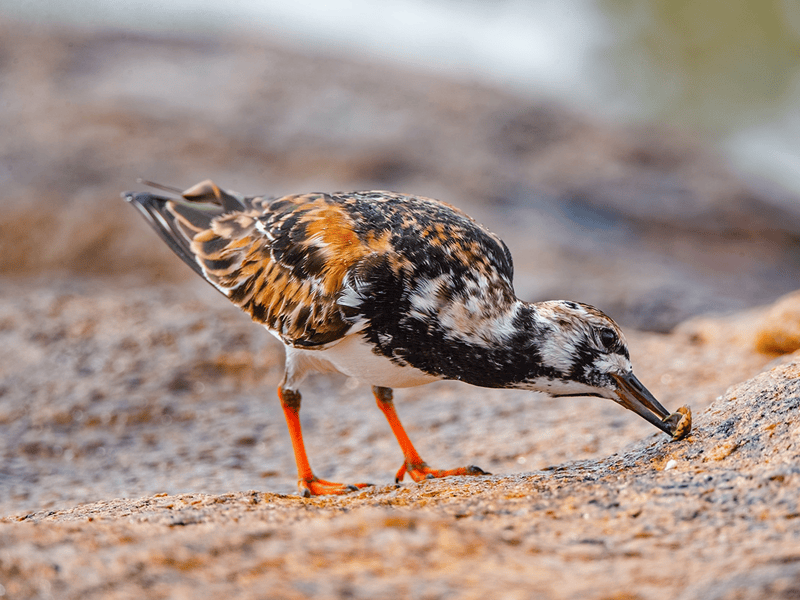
point(141, 197)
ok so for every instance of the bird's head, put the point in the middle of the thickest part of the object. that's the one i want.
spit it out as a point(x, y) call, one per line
point(583, 352)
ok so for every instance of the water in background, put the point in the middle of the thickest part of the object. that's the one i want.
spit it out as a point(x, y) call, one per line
point(729, 71)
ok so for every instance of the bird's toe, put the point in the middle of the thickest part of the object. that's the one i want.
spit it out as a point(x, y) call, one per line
point(475, 470)
point(320, 487)
point(423, 472)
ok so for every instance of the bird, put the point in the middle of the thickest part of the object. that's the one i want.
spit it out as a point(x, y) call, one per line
point(395, 290)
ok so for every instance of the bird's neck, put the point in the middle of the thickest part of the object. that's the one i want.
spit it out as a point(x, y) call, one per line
point(518, 345)
point(497, 348)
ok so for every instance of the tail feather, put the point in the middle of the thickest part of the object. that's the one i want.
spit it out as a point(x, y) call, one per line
point(194, 217)
point(209, 192)
point(175, 222)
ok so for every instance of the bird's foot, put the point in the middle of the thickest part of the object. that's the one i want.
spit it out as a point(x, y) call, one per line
point(421, 472)
point(314, 486)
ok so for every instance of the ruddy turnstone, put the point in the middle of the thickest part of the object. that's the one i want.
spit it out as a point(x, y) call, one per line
point(394, 290)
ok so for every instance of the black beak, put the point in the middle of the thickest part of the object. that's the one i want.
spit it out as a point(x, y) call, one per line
point(634, 396)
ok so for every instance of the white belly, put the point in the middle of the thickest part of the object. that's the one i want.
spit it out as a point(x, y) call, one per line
point(353, 357)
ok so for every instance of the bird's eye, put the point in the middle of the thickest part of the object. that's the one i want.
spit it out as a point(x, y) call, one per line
point(607, 338)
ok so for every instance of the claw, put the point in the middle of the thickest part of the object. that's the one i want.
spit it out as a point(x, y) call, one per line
point(421, 472)
point(474, 470)
point(400, 474)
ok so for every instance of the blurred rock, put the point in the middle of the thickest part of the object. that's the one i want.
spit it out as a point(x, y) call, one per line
point(642, 222)
point(779, 332)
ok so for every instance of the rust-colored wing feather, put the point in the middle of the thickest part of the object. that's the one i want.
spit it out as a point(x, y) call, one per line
point(283, 261)
point(315, 267)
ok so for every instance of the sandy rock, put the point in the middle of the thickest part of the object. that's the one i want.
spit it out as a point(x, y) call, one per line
point(779, 331)
point(122, 392)
point(722, 523)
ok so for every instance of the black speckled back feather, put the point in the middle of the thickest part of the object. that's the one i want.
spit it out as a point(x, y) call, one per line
point(395, 290)
point(312, 266)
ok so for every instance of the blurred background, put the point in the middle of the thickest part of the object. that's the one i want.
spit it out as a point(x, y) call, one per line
point(644, 157)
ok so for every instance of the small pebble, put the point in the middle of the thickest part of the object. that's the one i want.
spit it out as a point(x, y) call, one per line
point(671, 465)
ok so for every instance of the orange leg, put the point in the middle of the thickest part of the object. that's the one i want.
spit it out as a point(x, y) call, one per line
point(412, 462)
point(308, 483)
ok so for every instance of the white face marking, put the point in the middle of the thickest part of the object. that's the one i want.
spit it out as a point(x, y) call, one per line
point(569, 329)
point(613, 363)
point(558, 348)
point(558, 387)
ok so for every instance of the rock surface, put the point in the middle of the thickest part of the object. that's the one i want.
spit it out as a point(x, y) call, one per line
point(168, 396)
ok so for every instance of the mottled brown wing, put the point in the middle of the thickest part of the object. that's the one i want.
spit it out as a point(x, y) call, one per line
point(284, 262)
point(305, 265)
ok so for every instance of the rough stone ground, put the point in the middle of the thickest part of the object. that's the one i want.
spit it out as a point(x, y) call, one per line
point(165, 395)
